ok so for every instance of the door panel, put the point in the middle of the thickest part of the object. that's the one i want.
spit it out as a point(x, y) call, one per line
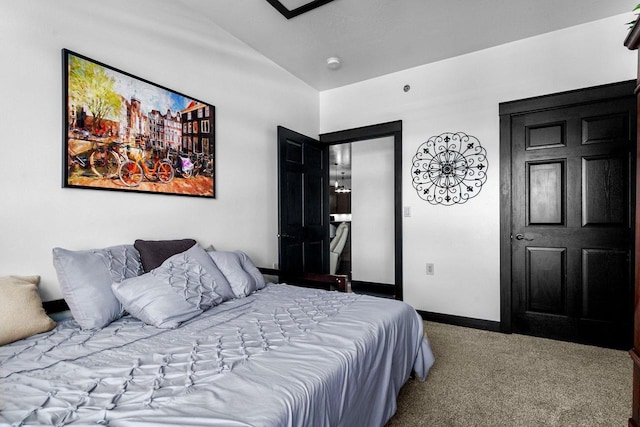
point(605, 191)
point(314, 212)
point(546, 189)
point(293, 211)
point(605, 273)
point(291, 256)
point(314, 255)
point(303, 203)
point(293, 151)
point(548, 135)
point(606, 129)
point(571, 205)
point(546, 280)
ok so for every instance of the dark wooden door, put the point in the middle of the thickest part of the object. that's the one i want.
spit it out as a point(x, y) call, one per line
point(303, 203)
point(572, 221)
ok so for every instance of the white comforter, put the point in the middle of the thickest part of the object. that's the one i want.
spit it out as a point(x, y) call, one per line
point(284, 356)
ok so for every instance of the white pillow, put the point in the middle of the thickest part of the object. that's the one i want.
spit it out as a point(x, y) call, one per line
point(182, 287)
point(242, 274)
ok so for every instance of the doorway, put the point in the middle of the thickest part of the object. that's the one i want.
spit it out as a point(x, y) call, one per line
point(303, 201)
point(366, 137)
point(567, 210)
point(361, 200)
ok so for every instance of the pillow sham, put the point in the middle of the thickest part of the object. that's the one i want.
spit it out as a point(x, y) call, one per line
point(21, 312)
point(85, 280)
point(154, 252)
point(181, 288)
point(242, 274)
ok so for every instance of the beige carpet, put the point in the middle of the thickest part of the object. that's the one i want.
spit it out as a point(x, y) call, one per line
point(490, 379)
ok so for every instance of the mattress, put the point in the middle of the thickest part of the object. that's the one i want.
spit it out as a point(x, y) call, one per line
point(283, 356)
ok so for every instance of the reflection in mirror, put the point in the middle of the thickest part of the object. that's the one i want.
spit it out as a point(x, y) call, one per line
point(340, 209)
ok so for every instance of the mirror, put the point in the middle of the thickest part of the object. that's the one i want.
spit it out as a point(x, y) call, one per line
point(362, 211)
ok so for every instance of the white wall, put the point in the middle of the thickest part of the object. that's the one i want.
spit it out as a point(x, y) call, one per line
point(462, 94)
point(161, 43)
point(372, 211)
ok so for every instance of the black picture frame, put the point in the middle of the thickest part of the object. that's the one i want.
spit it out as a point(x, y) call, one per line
point(124, 133)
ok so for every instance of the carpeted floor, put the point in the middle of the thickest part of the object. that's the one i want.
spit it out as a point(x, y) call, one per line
point(488, 379)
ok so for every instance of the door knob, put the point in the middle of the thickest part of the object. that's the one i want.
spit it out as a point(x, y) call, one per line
point(286, 236)
point(521, 237)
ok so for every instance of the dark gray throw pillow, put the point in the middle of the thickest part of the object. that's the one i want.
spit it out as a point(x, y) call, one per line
point(154, 252)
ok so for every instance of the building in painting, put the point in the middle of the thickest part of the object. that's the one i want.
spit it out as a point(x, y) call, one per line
point(165, 130)
point(197, 128)
point(138, 123)
point(156, 130)
point(172, 130)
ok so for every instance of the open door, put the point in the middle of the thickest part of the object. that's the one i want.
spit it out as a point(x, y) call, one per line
point(303, 203)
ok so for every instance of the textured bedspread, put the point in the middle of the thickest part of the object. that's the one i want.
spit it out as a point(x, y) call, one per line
point(284, 356)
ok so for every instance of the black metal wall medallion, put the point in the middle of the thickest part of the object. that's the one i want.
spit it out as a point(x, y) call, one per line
point(449, 168)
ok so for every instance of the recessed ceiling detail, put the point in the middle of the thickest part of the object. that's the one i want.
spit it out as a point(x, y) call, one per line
point(305, 6)
point(379, 37)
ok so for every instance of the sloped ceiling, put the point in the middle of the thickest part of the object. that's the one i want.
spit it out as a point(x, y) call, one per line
point(377, 37)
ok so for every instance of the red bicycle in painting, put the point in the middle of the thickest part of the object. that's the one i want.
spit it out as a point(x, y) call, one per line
point(137, 167)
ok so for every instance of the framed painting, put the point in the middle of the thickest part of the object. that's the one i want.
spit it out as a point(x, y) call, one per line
point(122, 132)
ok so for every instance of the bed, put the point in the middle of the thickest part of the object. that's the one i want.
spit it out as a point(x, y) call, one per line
point(282, 355)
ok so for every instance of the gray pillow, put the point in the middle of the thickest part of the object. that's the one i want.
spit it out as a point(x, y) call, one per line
point(182, 287)
point(85, 280)
point(242, 274)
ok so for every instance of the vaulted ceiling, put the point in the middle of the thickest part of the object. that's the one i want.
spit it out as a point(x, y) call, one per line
point(377, 37)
